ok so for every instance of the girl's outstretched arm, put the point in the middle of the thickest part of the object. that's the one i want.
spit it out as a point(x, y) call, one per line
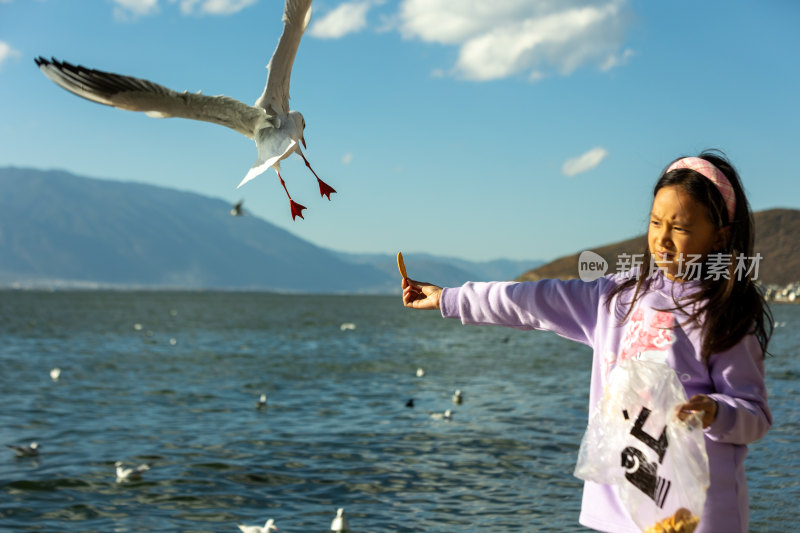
point(420, 295)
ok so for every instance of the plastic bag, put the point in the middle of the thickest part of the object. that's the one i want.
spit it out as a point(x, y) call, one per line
point(636, 441)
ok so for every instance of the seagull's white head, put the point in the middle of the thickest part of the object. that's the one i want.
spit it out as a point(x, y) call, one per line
point(299, 124)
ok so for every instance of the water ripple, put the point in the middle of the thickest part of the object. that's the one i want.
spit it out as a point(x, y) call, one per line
point(335, 433)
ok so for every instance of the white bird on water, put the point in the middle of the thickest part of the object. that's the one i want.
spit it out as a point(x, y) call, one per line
point(458, 397)
point(447, 415)
point(55, 373)
point(340, 522)
point(25, 451)
point(130, 474)
point(261, 403)
point(276, 129)
point(269, 526)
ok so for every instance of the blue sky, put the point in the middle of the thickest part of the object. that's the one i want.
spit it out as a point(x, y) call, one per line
point(525, 129)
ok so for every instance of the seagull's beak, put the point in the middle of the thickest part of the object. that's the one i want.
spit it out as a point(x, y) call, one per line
point(303, 140)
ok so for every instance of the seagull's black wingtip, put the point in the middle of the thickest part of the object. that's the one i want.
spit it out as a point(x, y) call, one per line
point(41, 60)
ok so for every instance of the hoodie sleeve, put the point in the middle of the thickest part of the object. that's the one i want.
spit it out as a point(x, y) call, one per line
point(568, 308)
point(743, 415)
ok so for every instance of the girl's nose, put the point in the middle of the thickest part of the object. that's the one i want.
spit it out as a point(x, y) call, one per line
point(664, 236)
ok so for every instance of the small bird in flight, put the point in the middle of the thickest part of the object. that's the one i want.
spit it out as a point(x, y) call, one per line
point(276, 130)
point(237, 210)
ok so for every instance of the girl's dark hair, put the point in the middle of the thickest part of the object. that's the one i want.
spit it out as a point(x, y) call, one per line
point(732, 306)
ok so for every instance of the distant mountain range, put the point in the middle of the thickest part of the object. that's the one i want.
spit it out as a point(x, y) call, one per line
point(62, 230)
point(776, 240)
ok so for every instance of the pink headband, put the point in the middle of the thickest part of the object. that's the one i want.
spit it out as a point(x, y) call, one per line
point(716, 177)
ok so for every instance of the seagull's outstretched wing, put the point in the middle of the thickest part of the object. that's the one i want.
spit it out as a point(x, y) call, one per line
point(275, 98)
point(137, 94)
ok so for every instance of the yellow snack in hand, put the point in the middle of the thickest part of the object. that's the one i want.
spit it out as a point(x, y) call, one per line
point(681, 522)
point(401, 265)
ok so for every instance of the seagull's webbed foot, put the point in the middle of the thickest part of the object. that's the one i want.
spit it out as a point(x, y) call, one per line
point(324, 188)
point(297, 209)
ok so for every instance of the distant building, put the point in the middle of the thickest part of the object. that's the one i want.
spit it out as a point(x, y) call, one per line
point(787, 294)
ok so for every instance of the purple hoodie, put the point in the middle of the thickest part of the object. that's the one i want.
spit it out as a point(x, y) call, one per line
point(576, 310)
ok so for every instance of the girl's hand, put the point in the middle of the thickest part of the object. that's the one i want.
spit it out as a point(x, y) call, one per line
point(420, 295)
point(699, 402)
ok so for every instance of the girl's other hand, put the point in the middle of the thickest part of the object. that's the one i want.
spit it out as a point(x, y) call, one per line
point(420, 295)
point(699, 402)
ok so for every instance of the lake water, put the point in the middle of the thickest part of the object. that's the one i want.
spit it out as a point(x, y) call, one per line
point(171, 379)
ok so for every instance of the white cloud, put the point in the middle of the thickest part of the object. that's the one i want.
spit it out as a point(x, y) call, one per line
point(500, 38)
point(615, 60)
point(347, 158)
point(346, 18)
point(7, 52)
point(215, 7)
point(132, 9)
point(126, 9)
point(584, 162)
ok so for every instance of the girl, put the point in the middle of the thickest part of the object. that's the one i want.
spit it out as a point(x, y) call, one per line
point(694, 307)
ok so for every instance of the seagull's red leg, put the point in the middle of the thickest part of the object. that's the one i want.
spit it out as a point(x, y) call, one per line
point(324, 188)
point(297, 209)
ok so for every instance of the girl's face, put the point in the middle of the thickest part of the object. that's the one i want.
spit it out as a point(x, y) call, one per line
point(679, 229)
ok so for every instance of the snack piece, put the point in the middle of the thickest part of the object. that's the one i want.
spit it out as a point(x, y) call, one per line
point(681, 522)
point(401, 265)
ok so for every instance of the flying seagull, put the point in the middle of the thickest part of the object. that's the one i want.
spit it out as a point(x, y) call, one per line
point(237, 210)
point(276, 130)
